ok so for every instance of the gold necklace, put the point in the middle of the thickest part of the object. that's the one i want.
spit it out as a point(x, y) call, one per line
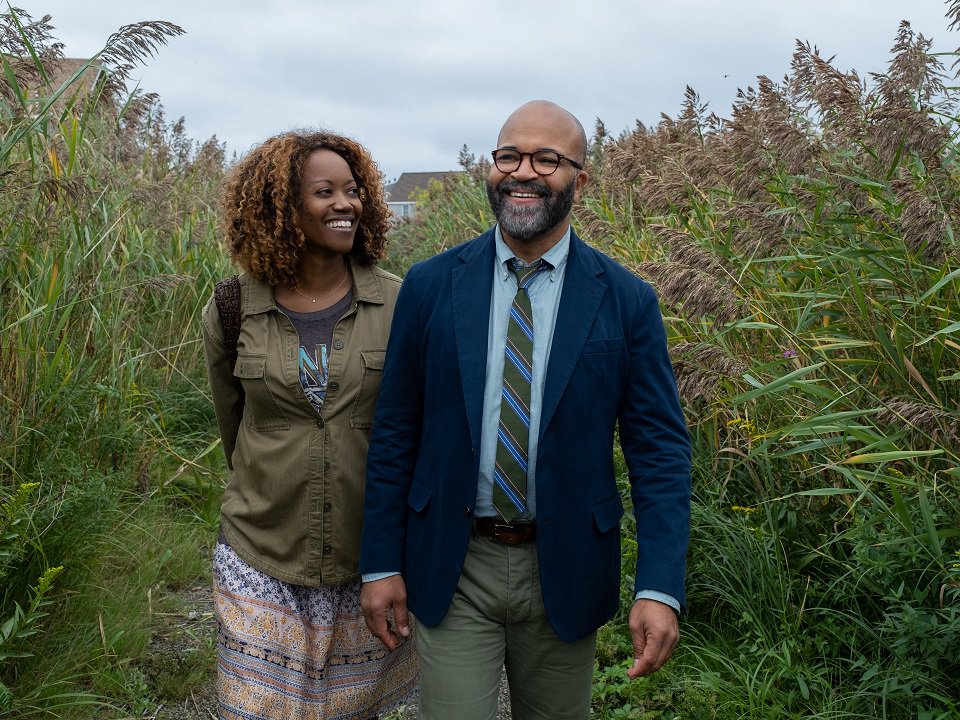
point(296, 289)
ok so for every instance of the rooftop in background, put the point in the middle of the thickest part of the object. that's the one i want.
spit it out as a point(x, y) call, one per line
point(58, 74)
point(401, 192)
point(403, 188)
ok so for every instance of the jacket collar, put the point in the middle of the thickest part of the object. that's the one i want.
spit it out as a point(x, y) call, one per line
point(258, 295)
point(584, 286)
point(367, 284)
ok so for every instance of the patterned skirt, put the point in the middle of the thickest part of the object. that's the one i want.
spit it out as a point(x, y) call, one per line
point(289, 652)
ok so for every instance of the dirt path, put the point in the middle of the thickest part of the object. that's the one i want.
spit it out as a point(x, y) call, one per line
point(180, 663)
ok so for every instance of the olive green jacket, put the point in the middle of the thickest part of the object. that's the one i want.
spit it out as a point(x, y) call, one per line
point(293, 506)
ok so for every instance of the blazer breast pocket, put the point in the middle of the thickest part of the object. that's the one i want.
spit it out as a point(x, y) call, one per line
point(602, 346)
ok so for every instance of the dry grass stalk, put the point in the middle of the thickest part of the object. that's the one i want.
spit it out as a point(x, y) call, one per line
point(821, 123)
point(758, 230)
point(19, 34)
point(130, 46)
point(694, 293)
point(681, 248)
point(836, 98)
point(953, 14)
point(700, 368)
point(922, 223)
point(941, 426)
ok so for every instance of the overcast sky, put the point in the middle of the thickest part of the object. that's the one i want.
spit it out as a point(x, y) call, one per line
point(415, 80)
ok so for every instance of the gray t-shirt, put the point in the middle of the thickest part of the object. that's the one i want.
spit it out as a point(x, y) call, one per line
point(316, 334)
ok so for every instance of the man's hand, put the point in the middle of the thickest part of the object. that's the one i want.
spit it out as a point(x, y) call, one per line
point(382, 599)
point(655, 632)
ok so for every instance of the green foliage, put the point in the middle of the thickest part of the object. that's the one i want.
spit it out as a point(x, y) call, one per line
point(110, 250)
point(657, 697)
point(20, 625)
point(14, 525)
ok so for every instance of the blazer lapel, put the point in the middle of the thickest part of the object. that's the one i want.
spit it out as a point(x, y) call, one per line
point(471, 281)
point(579, 303)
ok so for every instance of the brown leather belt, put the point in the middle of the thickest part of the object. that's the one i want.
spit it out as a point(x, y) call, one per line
point(509, 533)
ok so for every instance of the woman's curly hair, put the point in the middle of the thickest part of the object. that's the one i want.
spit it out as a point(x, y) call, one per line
point(262, 204)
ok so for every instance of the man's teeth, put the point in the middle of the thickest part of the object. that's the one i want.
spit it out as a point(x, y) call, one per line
point(340, 224)
point(524, 195)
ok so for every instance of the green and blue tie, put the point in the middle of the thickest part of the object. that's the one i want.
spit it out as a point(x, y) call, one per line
point(513, 433)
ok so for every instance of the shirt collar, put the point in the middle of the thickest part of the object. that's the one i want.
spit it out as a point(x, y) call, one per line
point(366, 284)
point(555, 256)
point(258, 296)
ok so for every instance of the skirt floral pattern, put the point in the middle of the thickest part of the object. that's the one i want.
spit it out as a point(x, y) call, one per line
point(301, 653)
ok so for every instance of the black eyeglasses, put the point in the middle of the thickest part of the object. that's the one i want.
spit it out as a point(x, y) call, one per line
point(544, 162)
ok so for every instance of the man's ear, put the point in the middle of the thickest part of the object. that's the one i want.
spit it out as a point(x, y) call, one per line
point(582, 177)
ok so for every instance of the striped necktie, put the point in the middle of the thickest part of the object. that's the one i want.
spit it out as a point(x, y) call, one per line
point(513, 432)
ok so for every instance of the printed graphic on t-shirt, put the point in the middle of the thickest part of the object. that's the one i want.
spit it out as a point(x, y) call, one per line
point(313, 374)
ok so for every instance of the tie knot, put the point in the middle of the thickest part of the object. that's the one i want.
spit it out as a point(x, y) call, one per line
point(526, 273)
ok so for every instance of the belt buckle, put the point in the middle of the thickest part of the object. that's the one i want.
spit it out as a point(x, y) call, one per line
point(505, 532)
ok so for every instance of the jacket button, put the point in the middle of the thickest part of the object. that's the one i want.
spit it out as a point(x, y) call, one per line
point(467, 511)
point(338, 344)
point(333, 386)
point(327, 507)
point(326, 466)
point(320, 422)
point(327, 549)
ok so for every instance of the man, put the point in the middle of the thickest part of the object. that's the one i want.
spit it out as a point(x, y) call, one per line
point(492, 509)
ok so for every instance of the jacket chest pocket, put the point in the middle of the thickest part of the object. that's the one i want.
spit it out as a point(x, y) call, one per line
point(261, 411)
point(371, 373)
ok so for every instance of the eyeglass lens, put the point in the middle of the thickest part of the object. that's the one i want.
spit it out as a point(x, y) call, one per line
point(544, 162)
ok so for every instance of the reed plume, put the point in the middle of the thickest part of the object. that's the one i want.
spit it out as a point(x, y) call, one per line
point(701, 368)
point(922, 419)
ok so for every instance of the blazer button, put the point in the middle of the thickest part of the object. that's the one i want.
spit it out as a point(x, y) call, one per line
point(338, 344)
point(467, 511)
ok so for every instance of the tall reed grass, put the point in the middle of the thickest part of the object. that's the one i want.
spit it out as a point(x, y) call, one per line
point(106, 214)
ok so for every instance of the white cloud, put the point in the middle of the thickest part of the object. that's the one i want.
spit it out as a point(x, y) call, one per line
point(415, 81)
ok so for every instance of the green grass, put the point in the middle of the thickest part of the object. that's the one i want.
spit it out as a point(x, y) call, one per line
point(109, 483)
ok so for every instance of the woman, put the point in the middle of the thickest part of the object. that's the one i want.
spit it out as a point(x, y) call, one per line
point(305, 218)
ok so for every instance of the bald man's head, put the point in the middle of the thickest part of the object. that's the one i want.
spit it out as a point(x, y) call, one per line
point(536, 176)
point(549, 117)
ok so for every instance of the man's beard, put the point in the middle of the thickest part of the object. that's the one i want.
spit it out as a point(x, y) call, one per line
point(529, 223)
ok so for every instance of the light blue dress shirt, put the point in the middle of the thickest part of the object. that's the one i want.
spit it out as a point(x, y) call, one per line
point(544, 292)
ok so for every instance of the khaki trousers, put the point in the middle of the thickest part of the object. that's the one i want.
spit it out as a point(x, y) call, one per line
point(497, 620)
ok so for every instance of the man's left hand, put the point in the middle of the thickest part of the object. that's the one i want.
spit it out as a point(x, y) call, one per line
point(655, 632)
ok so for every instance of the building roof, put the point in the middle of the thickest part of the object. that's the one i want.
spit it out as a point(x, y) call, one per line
point(58, 73)
point(68, 66)
point(408, 183)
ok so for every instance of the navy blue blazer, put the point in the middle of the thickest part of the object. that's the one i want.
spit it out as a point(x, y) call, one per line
point(608, 368)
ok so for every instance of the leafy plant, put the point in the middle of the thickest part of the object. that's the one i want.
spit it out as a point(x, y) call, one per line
point(107, 215)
